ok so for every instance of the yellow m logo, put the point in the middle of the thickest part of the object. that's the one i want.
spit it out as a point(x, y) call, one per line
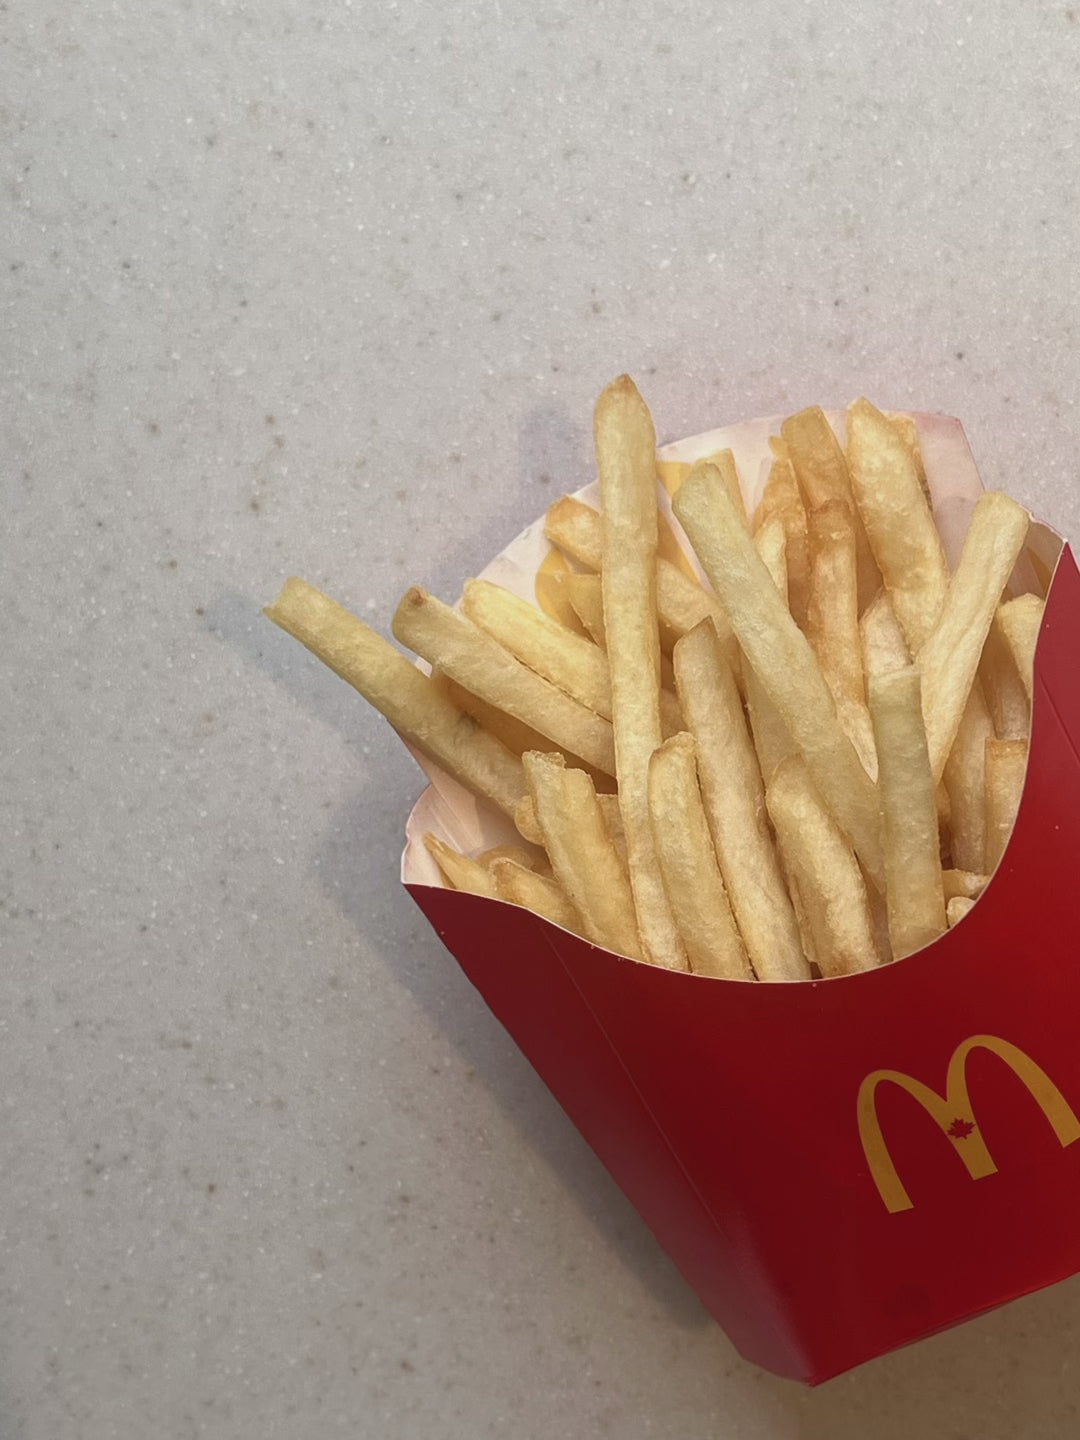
point(953, 1114)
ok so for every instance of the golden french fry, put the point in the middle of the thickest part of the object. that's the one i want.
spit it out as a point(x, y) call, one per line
point(550, 596)
point(1006, 766)
point(520, 856)
point(772, 739)
point(529, 827)
point(822, 473)
point(957, 908)
point(1019, 622)
point(681, 603)
point(883, 645)
point(625, 444)
point(949, 656)
point(1006, 698)
point(476, 661)
point(781, 500)
point(734, 804)
point(964, 883)
point(913, 891)
point(899, 525)
point(781, 655)
point(832, 621)
point(964, 779)
point(582, 855)
point(459, 870)
point(522, 885)
point(407, 698)
point(695, 889)
point(905, 427)
point(585, 594)
point(829, 880)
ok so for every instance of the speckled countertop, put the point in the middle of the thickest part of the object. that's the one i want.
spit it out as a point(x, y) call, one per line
point(330, 290)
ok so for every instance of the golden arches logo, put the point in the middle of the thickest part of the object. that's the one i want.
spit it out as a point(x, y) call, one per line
point(953, 1114)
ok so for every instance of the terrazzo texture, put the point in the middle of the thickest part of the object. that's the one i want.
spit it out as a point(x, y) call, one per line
point(329, 290)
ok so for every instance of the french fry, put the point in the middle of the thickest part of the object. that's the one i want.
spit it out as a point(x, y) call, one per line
point(914, 892)
point(1019, 622)
point(734, 802)
point(829, 880)
point(964, 778)
point(822, 473)
point(963, 882)
point(772, 739)
point(681, 603)
point(781, 655)
point(550, 596)
point(899, 524)
point(517, 853)
point(949, 656)
point(543, 895)
point(672, 473)
point(957, 908)
point(832, 621)
point(695, 890)
point(781, 500)
point(1006, 698)
point(482, 666)
point(883, 645)
point(582, 855)
point(585, 593)
point(406, 697)
point(529, 827)
point(1006, 765)
point(909, 432)
point(459, 870)
point(625, 444)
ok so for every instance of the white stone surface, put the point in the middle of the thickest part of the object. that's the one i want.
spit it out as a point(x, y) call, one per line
point(330, 289)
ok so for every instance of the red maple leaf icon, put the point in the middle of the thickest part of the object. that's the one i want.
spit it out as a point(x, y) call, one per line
point(961, 1129)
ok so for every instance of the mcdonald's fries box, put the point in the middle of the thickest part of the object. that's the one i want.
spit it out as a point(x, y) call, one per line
point(844, 1166)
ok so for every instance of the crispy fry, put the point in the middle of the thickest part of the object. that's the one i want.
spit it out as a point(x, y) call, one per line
point(908, 431)
point(582, 856)
point(672, 473)
point(963, 882)
point(735, 806)
point(781, 500)
point(520, 856)
point(965, 781)
point(695, 889)
point(899, 525)
point(832, 621)
point(830, 882)
point(540, 893)
point(550, 596)
point(626, 467)
point(529, 827)
point(822, 473)
point(459, 870)
point(585, 593)
point(407, 698)
point(1005, 695)
point(913, 891)
point(772, 739)
point(1006, 766)
point(1019, 622)
point(957, 908)
point(481, 665)
point(781, 655)
point(950, 654)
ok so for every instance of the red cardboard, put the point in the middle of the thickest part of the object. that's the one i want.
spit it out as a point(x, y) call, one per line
point(837, 1167)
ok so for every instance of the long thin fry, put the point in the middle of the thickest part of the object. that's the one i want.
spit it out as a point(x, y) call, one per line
point(582, 856)
point(827, 874)
point(914, 893)
point(407, 698)
point(949, 657)
point(964, 778)
point(1006, 698)
point(781, 655)
point(462, 873)
point(772, 739)
point(1019, 622)
point(539, 893)
point(473, 659)
point(695, 888)
point(626, 467)
point(822, 474)
point(898, 521)
point(1006, 766)
point(585, 593)
point(735, 805)
point(883, 645)
point(529, 827)
point(781, 500)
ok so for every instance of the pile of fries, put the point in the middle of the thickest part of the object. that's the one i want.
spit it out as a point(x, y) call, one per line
point(805, 767)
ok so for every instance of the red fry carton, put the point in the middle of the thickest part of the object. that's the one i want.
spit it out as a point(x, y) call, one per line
point(844, 1166)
